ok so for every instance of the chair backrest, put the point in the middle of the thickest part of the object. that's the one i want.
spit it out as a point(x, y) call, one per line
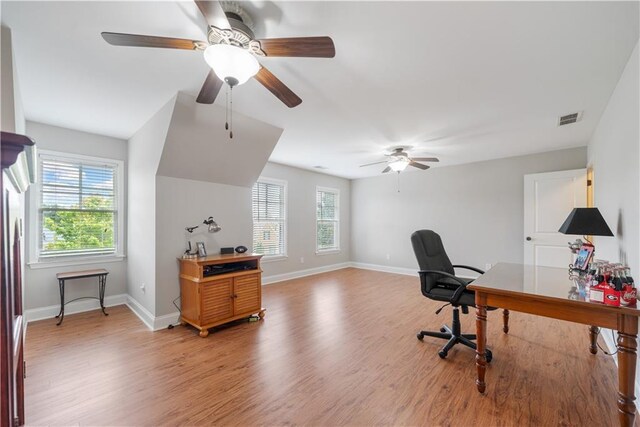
point(430, 253)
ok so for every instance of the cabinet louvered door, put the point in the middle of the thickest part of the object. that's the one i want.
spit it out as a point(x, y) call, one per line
point(246, 295)
point(217, 300)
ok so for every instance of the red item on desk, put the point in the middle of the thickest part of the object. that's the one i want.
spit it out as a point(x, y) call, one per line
point(596, 293)
point(629, 295)
point(612, 297)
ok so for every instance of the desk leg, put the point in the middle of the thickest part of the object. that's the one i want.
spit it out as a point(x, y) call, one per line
point(481, 344)
point(102, 280)
point(627, 355)
point(505, 321)
point(61, 314)
point(593, 338)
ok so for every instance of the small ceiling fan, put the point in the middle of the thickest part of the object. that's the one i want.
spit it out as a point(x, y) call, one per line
point(231, 50)
point(399, 160)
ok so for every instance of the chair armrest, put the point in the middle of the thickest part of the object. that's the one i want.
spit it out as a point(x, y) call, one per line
point(458, 292)
point(477, 270)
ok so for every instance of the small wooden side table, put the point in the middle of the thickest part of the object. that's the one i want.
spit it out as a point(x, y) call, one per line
point(101, 274)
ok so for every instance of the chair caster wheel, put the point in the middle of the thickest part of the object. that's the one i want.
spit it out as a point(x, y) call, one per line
point(442, 354)
point(420, 336)
point(488, 355)
point(443, 330)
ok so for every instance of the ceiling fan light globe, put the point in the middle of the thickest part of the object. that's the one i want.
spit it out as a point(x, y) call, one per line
point(231, 63)
point(399, 165)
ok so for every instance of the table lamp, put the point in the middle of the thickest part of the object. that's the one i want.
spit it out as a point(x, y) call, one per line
point(585, 222)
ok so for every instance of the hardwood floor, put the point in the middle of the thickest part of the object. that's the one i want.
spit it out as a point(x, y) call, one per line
point(334, 349)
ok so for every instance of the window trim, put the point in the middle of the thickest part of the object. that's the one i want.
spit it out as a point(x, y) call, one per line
point(35, 260)
point(338, 247)
point(283, 256)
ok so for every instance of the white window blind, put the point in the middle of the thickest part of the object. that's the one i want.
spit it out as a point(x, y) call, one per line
point(268, 202)
point(327, 219)
point(78, 207)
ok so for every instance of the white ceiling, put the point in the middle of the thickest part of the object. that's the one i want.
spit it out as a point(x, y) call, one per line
point(462, 81)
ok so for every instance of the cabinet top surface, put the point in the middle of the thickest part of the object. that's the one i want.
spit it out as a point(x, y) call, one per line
point(214, 259)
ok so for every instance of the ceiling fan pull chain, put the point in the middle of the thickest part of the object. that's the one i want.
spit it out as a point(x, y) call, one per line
point(226, 108)
point(398, 181)
point(231, 112)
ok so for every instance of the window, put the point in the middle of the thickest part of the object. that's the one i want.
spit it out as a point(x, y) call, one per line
point(269, 205)
point(76, 206)
point(327, 219)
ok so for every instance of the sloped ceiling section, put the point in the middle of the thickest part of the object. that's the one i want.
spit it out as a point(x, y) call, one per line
point(198, 146)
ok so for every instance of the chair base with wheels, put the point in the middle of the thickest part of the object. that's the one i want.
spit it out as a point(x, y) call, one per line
point(453, 336)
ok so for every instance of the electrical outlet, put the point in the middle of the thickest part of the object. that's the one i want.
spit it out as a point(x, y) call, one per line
point(301, 260)
point(388, 257)
point(487, 267)
point(143, 287)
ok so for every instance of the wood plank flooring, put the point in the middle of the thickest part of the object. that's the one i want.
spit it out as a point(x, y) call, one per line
point(334, 349)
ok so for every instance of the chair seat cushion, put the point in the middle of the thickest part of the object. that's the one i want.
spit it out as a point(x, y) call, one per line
point(446, 287)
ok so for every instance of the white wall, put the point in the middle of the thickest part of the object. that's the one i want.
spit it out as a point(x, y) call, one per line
point(41, 286)
point(184, 203)
point(301, 219)
point(614, 156)
point(145, 150)
point(476, 208)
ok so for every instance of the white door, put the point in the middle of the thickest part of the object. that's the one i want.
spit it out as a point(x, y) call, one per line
point(548, 200)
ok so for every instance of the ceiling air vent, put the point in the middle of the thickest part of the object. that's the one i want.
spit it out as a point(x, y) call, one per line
point(569, 118)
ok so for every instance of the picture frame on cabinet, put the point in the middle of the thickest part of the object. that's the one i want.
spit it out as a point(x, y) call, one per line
point(202, 252)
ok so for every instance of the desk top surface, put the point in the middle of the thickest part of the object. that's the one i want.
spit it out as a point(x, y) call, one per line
point(550, 283)
point(80, 274)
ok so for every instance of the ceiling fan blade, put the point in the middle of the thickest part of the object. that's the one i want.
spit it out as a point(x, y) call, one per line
point(210, 89)
point(213, 13)
point(310, 47)
point(139, 40)
point(277, 88)
point(425, 159)
point(419, 165)
point(387, 169)
point(374, 163)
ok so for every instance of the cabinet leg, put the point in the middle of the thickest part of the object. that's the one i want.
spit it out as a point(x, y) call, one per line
point(261, 313)
point(204, 333)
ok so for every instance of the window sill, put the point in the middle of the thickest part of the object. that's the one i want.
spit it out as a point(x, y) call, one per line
point(273, 258)
point(328, 252)
point(53, 263)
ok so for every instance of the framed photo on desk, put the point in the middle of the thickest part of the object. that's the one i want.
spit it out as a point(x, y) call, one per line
point(584, 257)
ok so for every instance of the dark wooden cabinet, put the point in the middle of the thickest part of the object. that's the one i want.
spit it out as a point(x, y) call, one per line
point(220, 288)
point(17, 173)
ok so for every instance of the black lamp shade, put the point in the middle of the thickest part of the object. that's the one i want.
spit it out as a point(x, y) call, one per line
point(585, 222)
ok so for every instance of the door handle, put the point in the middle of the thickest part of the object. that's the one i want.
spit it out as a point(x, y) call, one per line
point(528, 238)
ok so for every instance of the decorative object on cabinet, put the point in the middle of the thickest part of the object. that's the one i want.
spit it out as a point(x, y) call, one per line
point(202, 252)
point(241, 249)
point(18, 172)
point(226, 251)
point(218, 289)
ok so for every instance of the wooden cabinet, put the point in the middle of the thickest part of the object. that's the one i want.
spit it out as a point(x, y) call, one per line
point(220, 288)
point(17, 154)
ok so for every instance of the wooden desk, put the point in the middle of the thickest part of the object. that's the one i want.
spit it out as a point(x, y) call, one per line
point(549, 292)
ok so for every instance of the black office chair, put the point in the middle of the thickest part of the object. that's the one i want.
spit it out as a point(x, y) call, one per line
point(439, 282)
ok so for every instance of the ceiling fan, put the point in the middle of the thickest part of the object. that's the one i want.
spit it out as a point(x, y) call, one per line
point(231, 50)
point(399, 160)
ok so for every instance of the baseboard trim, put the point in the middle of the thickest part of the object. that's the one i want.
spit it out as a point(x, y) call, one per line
point(163, 322)
point(139, 310)
point(49, 312)
point(385, 268)
point(267, 280)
